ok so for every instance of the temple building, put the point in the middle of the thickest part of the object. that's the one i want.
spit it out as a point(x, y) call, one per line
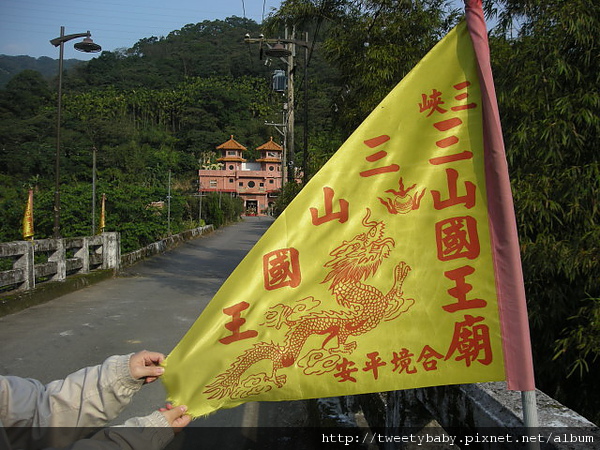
point(257, 183)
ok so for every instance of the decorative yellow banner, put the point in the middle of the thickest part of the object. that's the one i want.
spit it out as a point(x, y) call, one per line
point(28, 217)
point(378, 276)
point(103, 214)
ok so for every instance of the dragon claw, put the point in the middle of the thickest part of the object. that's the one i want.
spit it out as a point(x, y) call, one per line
point(401, 272)
point(344, 348)
point(278, 380)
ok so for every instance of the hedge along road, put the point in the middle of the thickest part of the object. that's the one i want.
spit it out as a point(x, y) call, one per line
point(149, 306)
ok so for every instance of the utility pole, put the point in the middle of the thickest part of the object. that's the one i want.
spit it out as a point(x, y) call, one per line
point(93, 190)
point(282, 129)
point(276, 48)
point(305, 132)
point(199, 203)
point(169, 206)
point(291, 108)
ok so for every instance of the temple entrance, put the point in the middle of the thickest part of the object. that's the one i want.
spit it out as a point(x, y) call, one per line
point(251, 207)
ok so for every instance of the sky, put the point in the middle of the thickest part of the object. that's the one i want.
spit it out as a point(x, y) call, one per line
point(27, 26)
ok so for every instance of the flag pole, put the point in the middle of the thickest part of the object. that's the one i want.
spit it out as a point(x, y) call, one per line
point(530, 417)
point(510, 284)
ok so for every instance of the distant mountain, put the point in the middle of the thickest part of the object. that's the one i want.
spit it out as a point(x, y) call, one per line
point(48, 67)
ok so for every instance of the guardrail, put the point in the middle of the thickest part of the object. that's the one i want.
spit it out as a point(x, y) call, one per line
point(163, 245)
point(31, 263)
point(471, 416)
point(37, 261)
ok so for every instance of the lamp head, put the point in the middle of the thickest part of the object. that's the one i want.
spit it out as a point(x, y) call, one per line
point(87, 46)
point(278, 51)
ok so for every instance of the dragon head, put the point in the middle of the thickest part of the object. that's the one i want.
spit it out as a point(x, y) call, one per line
point(359, 258)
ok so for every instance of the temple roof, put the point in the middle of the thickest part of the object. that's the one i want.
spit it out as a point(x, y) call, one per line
point(271, 145)
point(231, 144)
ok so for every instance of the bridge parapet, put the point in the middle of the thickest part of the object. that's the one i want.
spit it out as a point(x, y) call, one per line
point(34, 272)
point(36, 261)
point(479, 416)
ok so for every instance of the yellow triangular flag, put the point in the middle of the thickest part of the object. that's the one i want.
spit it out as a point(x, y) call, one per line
point(378, 276)
point(103, 214)
point(28, 218)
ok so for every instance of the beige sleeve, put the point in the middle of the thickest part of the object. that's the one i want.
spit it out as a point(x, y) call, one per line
point(89, 397)
point(61, 413)
point(152, 432)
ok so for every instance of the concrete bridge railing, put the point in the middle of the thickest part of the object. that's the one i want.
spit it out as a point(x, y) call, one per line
point(163, 245)
point(36, 261)
point(471, 416)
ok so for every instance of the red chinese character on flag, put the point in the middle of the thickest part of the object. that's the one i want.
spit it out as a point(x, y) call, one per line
point(374, 363)
point(438, 160)
point(341, 215)
point(236, 323)
point(281, 268)
point(463, 96)
point(429, 358)
point(432, 103)
point(372, 143)
point(345, 371)
point(461, 289)
point(402, 361)
point(454, 199)
point(471, 341)
point(457, 237)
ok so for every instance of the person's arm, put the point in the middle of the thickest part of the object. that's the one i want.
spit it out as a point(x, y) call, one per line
point(89, 397)
point(152, 432)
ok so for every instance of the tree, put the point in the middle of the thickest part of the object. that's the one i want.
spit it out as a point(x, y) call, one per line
point(147, 112)
point(547, 73)
point(26, 93)
point(371, 44)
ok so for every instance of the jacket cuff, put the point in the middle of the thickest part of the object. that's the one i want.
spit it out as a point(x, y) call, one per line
point(124, 373)
point(162, 430)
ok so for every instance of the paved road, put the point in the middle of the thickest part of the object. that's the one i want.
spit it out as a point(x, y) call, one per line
point(150, 306)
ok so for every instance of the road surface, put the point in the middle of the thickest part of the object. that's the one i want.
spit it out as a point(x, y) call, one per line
point(150, 306)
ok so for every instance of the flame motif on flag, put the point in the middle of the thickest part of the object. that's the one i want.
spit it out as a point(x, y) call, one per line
point(380, 275)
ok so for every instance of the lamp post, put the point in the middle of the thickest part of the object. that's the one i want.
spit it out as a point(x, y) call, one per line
point(277, 49)
point(87, 46)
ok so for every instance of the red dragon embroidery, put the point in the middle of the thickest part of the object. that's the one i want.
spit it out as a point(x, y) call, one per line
point(365, 306)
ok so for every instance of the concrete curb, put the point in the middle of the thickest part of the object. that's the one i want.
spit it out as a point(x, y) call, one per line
point(14, 302)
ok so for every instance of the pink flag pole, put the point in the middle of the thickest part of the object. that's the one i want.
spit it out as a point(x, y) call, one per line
point(505, 243)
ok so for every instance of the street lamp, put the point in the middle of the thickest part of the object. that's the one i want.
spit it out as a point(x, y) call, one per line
point(277, 49)
point(87, 46)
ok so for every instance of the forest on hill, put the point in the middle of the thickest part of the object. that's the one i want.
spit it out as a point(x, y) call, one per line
point(48, 67)
point(155, 111)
